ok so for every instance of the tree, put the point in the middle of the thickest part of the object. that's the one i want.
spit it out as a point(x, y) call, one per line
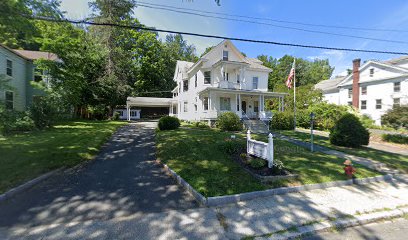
point(16, 29)
point(180, 49)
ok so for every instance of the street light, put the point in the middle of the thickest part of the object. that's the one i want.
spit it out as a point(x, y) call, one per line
point(312, 118)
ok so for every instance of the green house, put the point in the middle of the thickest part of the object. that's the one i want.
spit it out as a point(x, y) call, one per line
point(18, 67)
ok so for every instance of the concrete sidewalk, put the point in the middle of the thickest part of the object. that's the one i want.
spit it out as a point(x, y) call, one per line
point(250, 218)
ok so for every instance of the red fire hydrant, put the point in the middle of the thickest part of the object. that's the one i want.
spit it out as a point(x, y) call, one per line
point(349, 170)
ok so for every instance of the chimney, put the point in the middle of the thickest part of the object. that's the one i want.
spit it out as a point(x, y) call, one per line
point(356, 79)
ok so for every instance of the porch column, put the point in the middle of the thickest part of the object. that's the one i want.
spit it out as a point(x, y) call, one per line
point(128, 111)
point(260, 104)
point(240, 102)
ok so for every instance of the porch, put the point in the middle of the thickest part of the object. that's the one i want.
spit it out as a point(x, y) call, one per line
point(246, 104)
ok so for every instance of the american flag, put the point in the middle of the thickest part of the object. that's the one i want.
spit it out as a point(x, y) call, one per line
point(291, 75)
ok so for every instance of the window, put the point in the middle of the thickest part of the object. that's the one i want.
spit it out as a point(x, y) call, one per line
point(350, 92)
point(378, 104)
point(226, 76)
point(120, 113)
point(185, 106)
point(396, 102)
point(397, 86)
point(238, 78)
point(364, 104)
point(195, 107)
point(207, 77)
point(371, 72)
point(9, 68)
point(225, 55)
point(255, 83)
point(185, 85)
point(133, 113)
point(256, 106)
point(364, 90)
point(225, 104)
point(205, 103)
point(350, 103)
point(196, 80)
point(9, 100)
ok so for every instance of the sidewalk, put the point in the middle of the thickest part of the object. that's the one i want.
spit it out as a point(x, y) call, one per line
point(249, 218)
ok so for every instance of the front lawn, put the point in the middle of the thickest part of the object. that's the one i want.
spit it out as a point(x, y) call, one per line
point(391, 159)
point(28, 155)
point(196, 156)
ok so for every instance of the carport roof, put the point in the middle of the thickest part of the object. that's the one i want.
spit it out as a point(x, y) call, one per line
point(148, 101)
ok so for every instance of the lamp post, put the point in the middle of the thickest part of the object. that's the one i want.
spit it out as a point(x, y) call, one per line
point(312, 117)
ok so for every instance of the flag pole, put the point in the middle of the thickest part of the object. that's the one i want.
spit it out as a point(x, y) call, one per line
point(294, 93)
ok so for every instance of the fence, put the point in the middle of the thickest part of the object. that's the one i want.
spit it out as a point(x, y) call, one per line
point(261, 149)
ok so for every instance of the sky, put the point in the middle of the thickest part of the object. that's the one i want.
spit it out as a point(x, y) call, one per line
point(375, 14)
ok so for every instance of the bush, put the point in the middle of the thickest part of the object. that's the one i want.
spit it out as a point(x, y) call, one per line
point(13, 121)
point(327, 114)
point(201, 125)
point(367, 121)
point(257, 163)
point(229, 121)
point(43, 112)
point(303, 118)
point(349, 132)
point(169, 123)
point(395, 138)
point(116, 116)
point(231, 147)
point(282, 121)
point(396, 117)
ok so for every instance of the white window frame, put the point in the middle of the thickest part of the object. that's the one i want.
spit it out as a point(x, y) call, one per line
point(255, 86)
point(397, 86)
point(394, 104)
point(205, 104)
point(371, 72)
point(378, 105)
point(350, 92)
point(9, 67)
point(208, 77)
point(225, 55)
point(185, 106)
point(185, 87)
point(365, 104)
point(364, 90)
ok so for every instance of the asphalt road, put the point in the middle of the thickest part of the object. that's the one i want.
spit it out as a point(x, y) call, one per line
point(389, 230)
point(121, 181)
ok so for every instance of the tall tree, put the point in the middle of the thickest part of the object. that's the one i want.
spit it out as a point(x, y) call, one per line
point(180, 49)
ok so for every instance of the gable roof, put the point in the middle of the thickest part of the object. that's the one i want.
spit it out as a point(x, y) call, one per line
point(36, 55)
point(329, 85)
point(396, 60)
point(14, 52)
point(347, 80)
point(257, 64)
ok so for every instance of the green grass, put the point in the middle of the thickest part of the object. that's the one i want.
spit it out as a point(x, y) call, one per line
point(195, 155)
point(28, 155)
point(393, 160)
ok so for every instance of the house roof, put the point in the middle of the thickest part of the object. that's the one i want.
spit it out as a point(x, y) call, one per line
point(330, 84)
point(14, 52)
point(257, 64)
point(242, 91)
point(148, 101)
point(396, 60)
point(36, 55)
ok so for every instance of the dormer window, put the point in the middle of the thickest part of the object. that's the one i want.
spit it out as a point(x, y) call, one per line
point(371, 72)
point(225, 55)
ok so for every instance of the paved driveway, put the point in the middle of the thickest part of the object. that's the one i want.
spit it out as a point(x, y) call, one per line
point(123, 180)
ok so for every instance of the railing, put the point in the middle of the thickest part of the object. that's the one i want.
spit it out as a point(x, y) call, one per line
point(228, 85)
point(261, 149)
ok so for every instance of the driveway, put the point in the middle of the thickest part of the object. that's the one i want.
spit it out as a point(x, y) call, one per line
point(121, 181)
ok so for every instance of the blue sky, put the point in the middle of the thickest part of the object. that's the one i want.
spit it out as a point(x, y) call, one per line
point(352, 13)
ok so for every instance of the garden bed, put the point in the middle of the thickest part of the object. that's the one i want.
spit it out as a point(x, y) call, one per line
point(196, 155)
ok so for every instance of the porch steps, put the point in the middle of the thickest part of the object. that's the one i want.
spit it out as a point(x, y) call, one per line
point(256, 126)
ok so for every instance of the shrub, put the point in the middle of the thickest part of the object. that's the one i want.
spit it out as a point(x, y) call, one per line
point(396, 117)
point(395, 138)
point(201, 125)
point(229, 121)
point(327, 114)
point(116, 116)
point(303, 118)
point(367, 121)
point(13, 121)
point(282, 121)
point(43, 112)
point(169, 123)
point(232, 146)
point(349, 132)
point(257, 163)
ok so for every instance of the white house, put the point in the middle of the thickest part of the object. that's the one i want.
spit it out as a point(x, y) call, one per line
point(222, 80)
point(373, 88)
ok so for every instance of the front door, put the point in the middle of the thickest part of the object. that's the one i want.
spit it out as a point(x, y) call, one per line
point(244, 107)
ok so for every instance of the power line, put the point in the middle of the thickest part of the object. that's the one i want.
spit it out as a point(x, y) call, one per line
point(281, 21)
point(211, 36)
point(273, 25)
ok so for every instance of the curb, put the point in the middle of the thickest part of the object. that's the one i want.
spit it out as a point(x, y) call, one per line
point(228, 199)
point(308, 230)
point(25, 186)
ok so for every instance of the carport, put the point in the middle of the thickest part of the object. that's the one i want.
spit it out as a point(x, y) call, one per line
point(146, 102)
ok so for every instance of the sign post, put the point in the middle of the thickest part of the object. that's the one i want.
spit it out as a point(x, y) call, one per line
point(312, 117)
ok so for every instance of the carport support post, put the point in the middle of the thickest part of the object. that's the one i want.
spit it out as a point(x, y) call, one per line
point(128, 112)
